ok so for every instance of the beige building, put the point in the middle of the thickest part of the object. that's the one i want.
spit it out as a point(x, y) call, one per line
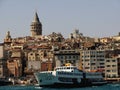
point(92, 60)
point(2, 62)
point(37, 59)
point(14, 67)
point(33, 56)
point(15, 63)
point(33, 62)
point(117, 37)
point(105, 40)
point(112, 67)
point(63, 57)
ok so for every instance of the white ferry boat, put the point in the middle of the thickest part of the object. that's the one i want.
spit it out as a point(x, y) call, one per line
point(68, 76)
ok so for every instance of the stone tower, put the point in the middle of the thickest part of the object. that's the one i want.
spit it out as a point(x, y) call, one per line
point(36, 26)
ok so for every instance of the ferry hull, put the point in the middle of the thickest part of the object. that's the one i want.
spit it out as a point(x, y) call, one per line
point(82, 84)
point(64, 85)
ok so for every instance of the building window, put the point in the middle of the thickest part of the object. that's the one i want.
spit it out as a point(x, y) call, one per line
point(101, 59)
point(101, 63)
point(29, 58)
point(61, 57)
point(92, 63)
point(87, 67)
point(113, 70)
point(113, 65)
point(102, 66)
point(107, 60)
point(33, 58)
point(113, 60)
point(108, 70)
point(108, 65)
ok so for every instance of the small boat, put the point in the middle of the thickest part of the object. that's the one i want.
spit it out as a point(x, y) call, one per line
point(4, 82)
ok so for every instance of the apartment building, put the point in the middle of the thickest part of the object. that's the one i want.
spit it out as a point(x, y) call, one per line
point(112, 67)
point(67, 56)
point(2, 61)
point(15, 63)
point(92, 60)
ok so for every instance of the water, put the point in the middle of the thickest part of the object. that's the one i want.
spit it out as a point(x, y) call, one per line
point(104, 87)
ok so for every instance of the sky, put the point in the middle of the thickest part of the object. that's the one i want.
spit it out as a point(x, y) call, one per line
point(93, 18)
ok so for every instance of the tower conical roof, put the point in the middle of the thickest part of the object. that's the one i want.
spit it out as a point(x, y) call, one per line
point(36, 18)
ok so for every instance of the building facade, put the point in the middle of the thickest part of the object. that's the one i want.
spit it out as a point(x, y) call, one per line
point(92, 60)
point(2, 62)
point(63, 57)
point(112, 67)
point(15, 63)
point(33, 62)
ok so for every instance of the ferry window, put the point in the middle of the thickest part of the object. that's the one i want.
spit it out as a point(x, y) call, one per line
point(65, 57)
point(73, 61)
point(68, 67)
point(58, 57)
point(61, 57)
point(76, 57)
point(73, 56)
point(69, 57)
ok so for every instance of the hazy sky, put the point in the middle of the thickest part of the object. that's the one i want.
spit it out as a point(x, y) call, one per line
point(94, 18)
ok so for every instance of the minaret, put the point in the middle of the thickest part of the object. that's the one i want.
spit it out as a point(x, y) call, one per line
point(36, 26)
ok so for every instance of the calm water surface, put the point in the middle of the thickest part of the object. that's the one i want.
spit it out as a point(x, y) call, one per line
point(104, 87)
